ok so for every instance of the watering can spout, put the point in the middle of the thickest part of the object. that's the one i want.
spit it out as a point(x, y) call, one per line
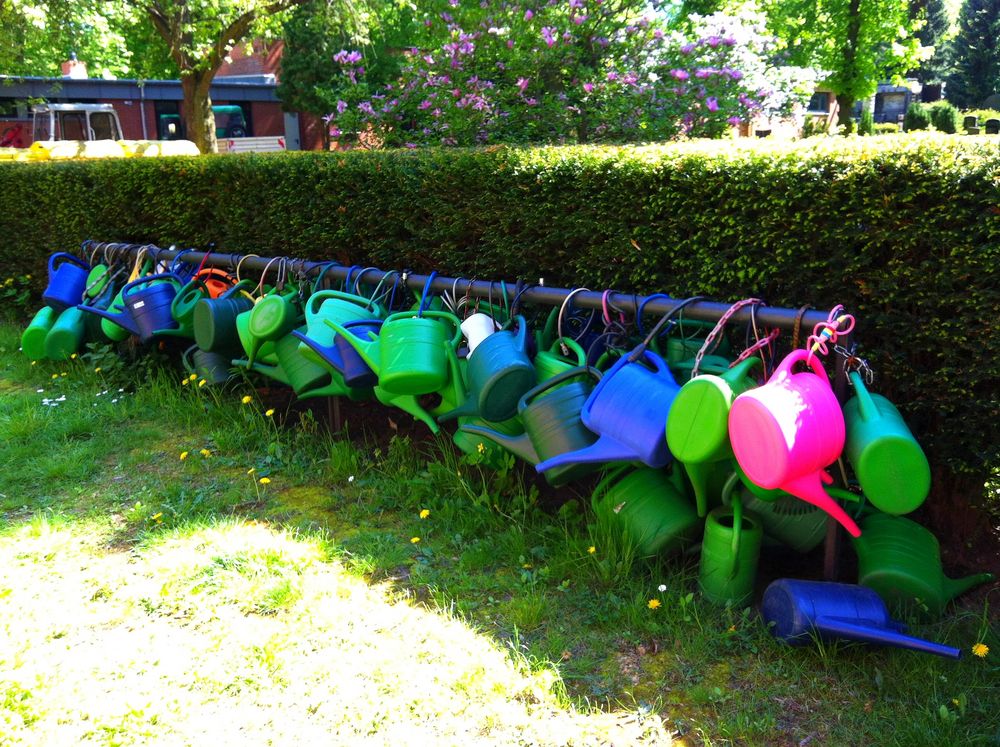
point(603, 450)
point(329, 355)
point(367, 349)
point(273, 372)
point(120, 318)
point(520, 446)
point(954, 587)
point(810, 489)
point(867, 631)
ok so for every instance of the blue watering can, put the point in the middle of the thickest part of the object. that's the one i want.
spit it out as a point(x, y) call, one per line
point(799, 609)
point(340, 355)
point(147, 306)
point(67, 281)
point(628, 411)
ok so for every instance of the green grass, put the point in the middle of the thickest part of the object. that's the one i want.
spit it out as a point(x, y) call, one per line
point(147, 599)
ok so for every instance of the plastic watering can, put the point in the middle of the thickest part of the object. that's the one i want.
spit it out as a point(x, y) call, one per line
point(110, 329)
point(628, 411)
point(328, 306)
point(67, 281)
point(98, 281)
point(271, 318)
point(146, 306)
point(307, 379)
point(217, 282)
point(552, 425)
point(555, 360)
point(491, 452)
point(340, 356)
point(498, 373)
point(656, 517)
point(901, 560)
point(710, 364)
point(476, 328)
point(729, 553)
point(214, 320)
point(66, 335)
point(787, 431)
point(698, 424)
point(891, 467)
point(183, 306)
point(264, 351)
point(33, 337)
point(212, 367)
point(795, 611)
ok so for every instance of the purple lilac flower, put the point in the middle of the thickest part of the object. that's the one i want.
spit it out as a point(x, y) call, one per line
point(531, 102)
point(658, 34)
point(567, 36)
point(612, 75)
point(523, 83)
point(712, 104)
point(687, 48)
point(528, 15)
point(630, 79)
point(366, 107)
point(341, 106)
point(579, 19)
point(588, 87)
point(712, 41)
point(334, 132)
point(734, 121)
point(425, 104)
point(680, 74)
point(510, 44)
point(576, 3)
point(547, 35)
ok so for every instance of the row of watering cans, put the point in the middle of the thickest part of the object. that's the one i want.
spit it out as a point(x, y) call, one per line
point(753, 455)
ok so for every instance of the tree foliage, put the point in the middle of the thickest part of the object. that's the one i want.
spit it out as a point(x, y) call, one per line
point(975, 54)
point(933, 34)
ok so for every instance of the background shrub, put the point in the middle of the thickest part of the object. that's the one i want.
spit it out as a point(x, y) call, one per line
point(918, 117)
point(885, 128)
point(867, 123)
point(904, 231)
point(944, 117)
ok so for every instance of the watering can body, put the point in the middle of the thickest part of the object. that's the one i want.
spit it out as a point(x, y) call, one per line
point(891, 467)
point(273, 317)
point(556, 359)
point(552, 425)
point(214, 368)
point(33, 337)
point(67, 335)
point(901, 560)
point(787, 431)
point(729, 553)
point(628, 412)
point(67, 281)
point(111, 330)
point(476, 328)
point(214, 320)
point(146, 306)
point(498, 373)
point(263, 351)
point(333, 306)
point(183, 306)
point(798, 610)
point(656, 517)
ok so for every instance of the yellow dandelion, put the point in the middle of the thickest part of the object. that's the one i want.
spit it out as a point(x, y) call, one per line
point(184, 455)
point(425, 513)
point(247, 400)
point(205, 453)
point(265, 481)
point(185, 382)
point(653, 604)
point(97, 370)
point(980, 650)
point(202, 382)
point(34, 363)
point(63, 373)
point(481, 447)
point(251, 470)
point(414, 540)
point(269, 413)
point(192, 377)
point(73, 357)
point(157, 516)
point(591, 549)
point(55, 376)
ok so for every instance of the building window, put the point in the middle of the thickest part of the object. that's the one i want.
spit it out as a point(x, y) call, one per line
point(820, 102)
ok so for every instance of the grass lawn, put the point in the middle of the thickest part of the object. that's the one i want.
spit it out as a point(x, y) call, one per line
point(279, 586)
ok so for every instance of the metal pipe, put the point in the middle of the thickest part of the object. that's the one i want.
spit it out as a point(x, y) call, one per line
point(707, 311)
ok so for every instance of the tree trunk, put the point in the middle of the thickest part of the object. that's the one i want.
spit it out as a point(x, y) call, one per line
point(845, 100)
point(198, 116)
point(845, 104)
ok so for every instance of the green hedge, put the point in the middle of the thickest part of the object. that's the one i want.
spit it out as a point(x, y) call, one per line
point(904, 231)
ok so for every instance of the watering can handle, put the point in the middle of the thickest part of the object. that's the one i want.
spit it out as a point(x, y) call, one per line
point(572, 346)
point(325, 295)
point(866, 404)
point(145, 280)
point(448, 317)
point(66, 257)
point(737, 505)
point(557, 379)
point(241, 285)
point(186, 359)
point(784, 368)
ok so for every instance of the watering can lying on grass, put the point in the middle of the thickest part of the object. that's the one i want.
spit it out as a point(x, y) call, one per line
point(214, 368)
point(796, 611)
point(498, 372)
point(730, 549)
point(67, 281)
point(33, 337)
point(627, 410)
point(901, 560)
point(66, 336)
point(552, 425)
point(146, 305)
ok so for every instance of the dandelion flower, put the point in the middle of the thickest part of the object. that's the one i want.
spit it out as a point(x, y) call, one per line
point(202, 382)
point(980, 650)
point(63, 373)
point(425, 513)
point(205, 453)
point(73, 357)
point(269, 413)
point(192, 377)
point(184, 455)
point(97, 370)
point(247, 400)
point(653, 604)
point(265, 481)
point(55, 376)
point(591, 550)
point(185, 382)
point(157, 516)
point(414, 540)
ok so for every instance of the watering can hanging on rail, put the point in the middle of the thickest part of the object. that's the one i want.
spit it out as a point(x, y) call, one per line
point(146, 306)
point(67, 281)
point(214, 320)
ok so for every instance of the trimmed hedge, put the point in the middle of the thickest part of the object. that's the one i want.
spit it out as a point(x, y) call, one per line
point(904, 231)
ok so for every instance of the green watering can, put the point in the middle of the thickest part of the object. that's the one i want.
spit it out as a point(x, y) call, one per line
point(656, 517)
point(492, 453)
point(698, 424)
point(552, 425)
point(33, 337)
point(901, 560)
point(554, 361)
point(214, 368)
point(729, 553)
point(891, 467)
point(498, 372)
point(214, 320)
point(333, 306)
point(271, 318)
point(66, 335)
point(115, 332)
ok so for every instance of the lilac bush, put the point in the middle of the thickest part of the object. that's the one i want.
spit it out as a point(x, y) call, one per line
point(565, 71)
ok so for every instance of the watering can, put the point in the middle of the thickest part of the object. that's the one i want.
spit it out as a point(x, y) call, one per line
point(787, 431)
point(476, 328)
point(492, 453)
point(217, 282)
point(552, 425)
point(498, 372)
point(341, 356)
point(656, 517)
point(327, 306)
point(729, 553)
point(66, 335)
point(110, 329)
point(33, 337)
point(628, 411)
point(901, 560)
point(698, 424)
point(67, 281)
point(891, 467)
point(183, 306)
point(796, 611)
point(98, 282)
point(555, 360)
point(271, 318)
point(146, 306)
point(710, 364)
point(214, 320)
point(214, 368)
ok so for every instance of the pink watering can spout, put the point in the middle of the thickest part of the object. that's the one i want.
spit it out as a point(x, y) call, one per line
point(810, 489)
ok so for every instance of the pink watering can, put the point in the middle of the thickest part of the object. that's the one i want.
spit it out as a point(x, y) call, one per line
point(787, 431)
